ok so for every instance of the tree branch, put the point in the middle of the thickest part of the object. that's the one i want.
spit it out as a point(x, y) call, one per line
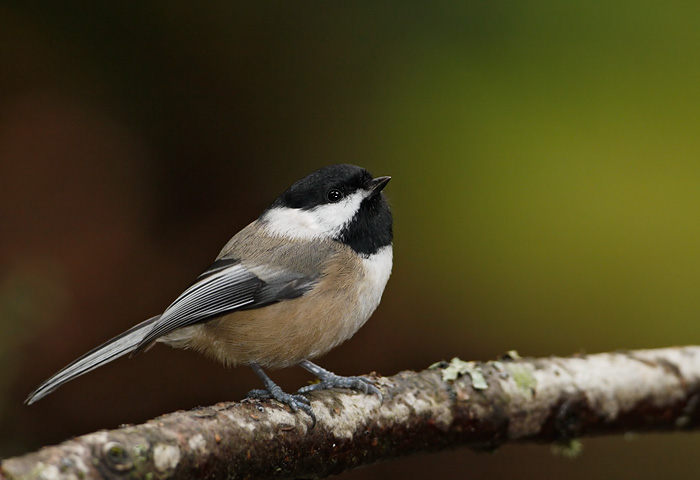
point(482, 405)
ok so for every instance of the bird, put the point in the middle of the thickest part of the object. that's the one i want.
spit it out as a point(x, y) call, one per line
point(293, 284)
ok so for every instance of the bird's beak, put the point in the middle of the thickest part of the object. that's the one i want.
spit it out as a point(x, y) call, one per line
point(377, 185)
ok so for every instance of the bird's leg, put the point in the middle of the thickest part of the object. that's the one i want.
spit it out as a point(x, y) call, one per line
point(331, 380)
point(272, 390)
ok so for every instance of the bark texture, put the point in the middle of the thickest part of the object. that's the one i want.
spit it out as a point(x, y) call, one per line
point(481, 405)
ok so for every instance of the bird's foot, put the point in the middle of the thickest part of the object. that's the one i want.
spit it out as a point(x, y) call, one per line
point(273, 391)
point(329, 379)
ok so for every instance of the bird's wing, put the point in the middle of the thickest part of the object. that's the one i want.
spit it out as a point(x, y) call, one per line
point(224, 287)
point(227, 286)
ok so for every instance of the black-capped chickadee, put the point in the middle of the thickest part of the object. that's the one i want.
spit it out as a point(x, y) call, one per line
point(298, 281)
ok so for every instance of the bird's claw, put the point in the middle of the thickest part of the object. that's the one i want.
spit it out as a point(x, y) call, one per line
point(362, 384)
point(295, 402)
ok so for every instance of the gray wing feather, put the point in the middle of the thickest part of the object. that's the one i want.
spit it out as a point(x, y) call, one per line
point(213, 294)
point(221, 290)
point(225, 287)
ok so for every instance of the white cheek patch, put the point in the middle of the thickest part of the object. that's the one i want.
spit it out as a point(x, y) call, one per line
point(324, 221)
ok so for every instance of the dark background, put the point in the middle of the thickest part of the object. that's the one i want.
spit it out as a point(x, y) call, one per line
point(546, 174)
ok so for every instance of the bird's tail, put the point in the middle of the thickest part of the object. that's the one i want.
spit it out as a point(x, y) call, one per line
point(105, 353)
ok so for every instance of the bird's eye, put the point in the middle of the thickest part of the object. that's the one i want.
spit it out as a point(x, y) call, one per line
point(334, 195)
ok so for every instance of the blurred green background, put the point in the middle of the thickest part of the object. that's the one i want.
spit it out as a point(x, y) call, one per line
point(546, 166)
